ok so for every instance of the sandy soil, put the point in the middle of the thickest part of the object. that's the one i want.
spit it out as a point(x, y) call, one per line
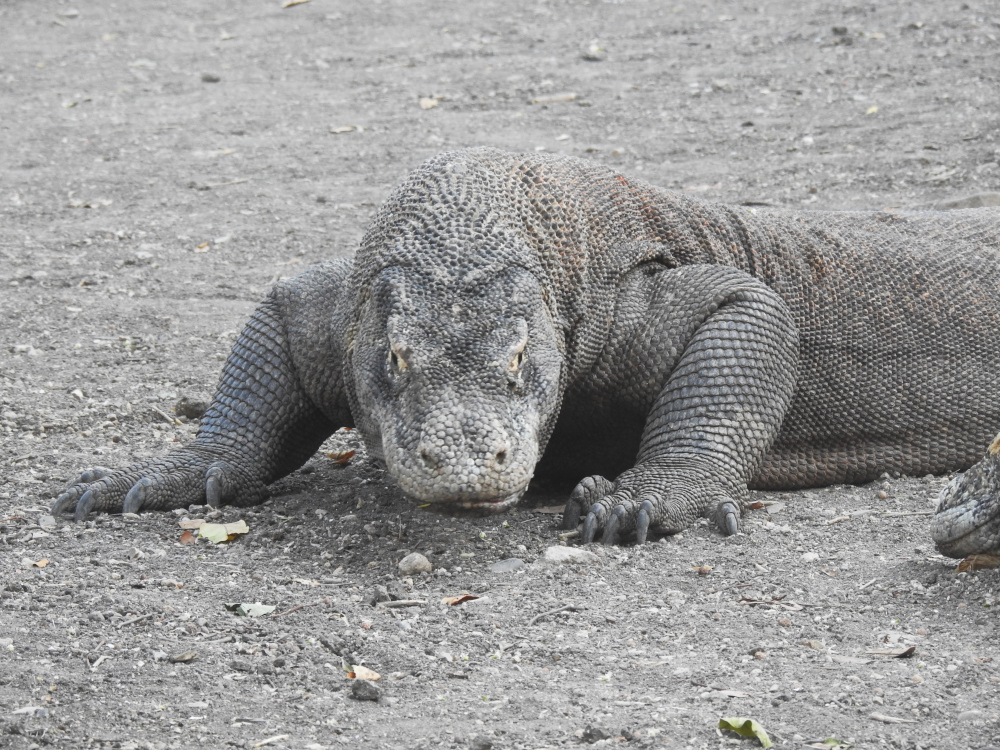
point(164, 163)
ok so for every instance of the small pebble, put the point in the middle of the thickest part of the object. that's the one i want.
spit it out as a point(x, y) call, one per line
point(414, 563)
point(810, 557)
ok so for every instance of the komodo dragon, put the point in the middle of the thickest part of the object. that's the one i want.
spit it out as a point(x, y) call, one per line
point(508, 315)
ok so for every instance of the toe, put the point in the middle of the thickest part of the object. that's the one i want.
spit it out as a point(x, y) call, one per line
point(66, 502)
point(613, 526)
point(136, 498)
point(727, 517)
point(642, 521)
point(594, 522)
point(85, 505)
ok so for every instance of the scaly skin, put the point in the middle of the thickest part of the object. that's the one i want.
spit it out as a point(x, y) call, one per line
point(510, 315)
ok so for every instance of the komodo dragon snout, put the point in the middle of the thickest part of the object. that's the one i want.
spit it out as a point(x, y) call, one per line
point(456, 394)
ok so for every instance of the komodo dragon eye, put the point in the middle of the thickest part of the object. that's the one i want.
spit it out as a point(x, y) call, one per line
point(397, 360)
point(517, 360)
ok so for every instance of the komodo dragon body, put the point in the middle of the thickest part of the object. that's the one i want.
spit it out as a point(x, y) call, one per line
point(510, 314)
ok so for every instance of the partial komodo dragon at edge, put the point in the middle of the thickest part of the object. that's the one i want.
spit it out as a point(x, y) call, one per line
point(511, 315)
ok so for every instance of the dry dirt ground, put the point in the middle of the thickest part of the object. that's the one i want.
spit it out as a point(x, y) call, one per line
point(162, 164)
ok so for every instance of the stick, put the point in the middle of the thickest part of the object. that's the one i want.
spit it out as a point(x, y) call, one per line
point(898, 513)
point(863, 586)
point(135, 620)
point(169, 419)
point(567, 608)
point(297, 606)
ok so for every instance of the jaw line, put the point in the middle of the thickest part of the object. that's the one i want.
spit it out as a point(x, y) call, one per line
point(478, 507)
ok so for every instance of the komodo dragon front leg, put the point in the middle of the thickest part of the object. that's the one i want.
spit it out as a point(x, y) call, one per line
point(279, 397)
point(710, 355)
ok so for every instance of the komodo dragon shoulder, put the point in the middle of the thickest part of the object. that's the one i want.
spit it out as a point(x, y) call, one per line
point(510, 315)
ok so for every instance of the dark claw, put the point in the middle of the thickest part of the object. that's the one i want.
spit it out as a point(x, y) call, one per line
point(136, 497)
point(728, 518)
point(611, 528)
point(84, 505)
point(214, 487)
point(642, 521)
point(595, 519)
point(571, 516)
point(65, 502)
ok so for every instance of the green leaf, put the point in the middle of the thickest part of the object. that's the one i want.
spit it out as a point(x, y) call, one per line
point(746, 728)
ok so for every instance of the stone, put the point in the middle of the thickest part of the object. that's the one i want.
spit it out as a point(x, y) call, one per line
point(810, 557)
point(46, 521)
point(569, 555)
point(192, 408)
point(414, 563)
point(363, 690)
point(507, 566)
point(970, 715)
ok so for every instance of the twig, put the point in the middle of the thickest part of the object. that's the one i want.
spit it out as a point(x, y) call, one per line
point(297, 606)
point(135, 620)
point(569, 534)
point(557, 610)
point(863, 586)
point(898, 513)
point(224, 184)
point(169, 419)
point(404, 603)
point(98, 661)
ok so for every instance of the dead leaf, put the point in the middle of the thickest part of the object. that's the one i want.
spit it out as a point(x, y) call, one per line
point(896, 653)
point(702, 570)
point(290, 3)
point(341, 457)
point(41, 563)
point(223, 532)
point(359, 672)
point(188, 537)
point(978, 562)
point(427, 102)
point(755, 506)
point(183, 657)
point(553, 509)
point(455, 600)
point(191, 523)
point(814, 644)
point(730, 693)
point(347, 129)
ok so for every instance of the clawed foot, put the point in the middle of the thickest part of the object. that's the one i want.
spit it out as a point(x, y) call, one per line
point(630, 506)
point(187, 477)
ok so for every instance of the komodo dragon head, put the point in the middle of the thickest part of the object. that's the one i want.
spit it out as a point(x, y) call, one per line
point(456, 386)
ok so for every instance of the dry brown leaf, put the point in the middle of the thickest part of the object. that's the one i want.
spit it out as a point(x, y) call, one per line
point(290, 3)
point(359, 672)
point(756, 506)
point(979, 562)
point(702, 570)
point(41, 563)
point(814, 644)
point(454, 600)
point(553, 509)
point(340, 457)
point(191, 523)
point(188, 537)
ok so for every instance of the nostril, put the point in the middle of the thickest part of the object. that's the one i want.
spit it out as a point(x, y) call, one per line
point(501, 457)
point(426, 457)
